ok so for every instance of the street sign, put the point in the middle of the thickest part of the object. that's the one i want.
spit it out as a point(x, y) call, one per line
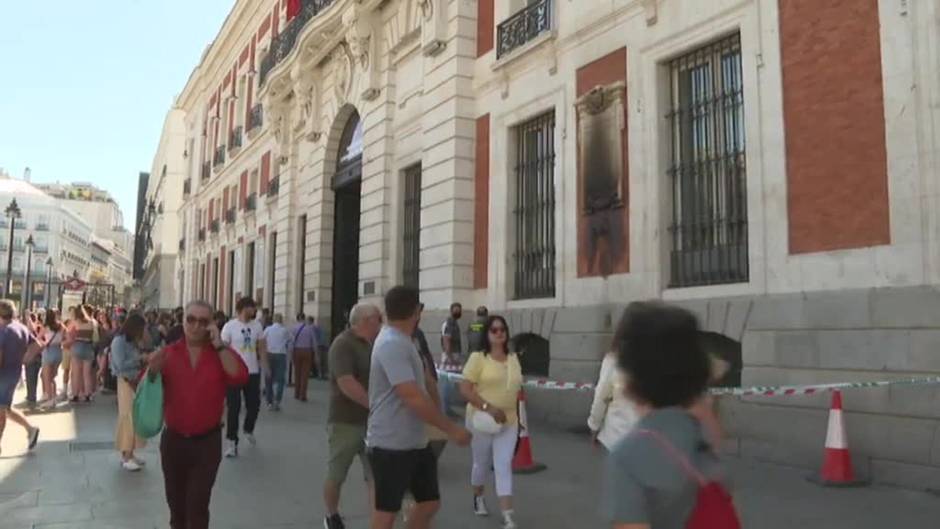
point(74, 284)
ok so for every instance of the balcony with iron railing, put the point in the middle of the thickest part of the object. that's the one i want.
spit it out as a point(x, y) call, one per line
point(230, 216)
point(255, 120)
point(42, 226)
point(251, 202)
point(41, 249)
point(523, 27)
point(283, 43)
point(219, 159)
point(214, 226)
point(235, 140)
point(187, 187)
point(274, 187)
point(206, 172)
point(20, 224)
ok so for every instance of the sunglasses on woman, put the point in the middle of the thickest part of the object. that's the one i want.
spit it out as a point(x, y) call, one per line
point(497, 330)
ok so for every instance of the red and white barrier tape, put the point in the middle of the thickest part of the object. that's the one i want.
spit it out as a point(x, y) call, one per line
point(764, 391)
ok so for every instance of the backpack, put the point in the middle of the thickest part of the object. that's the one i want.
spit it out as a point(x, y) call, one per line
point(714, 507)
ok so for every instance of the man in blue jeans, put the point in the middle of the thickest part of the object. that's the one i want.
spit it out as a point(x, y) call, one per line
point(279, 344)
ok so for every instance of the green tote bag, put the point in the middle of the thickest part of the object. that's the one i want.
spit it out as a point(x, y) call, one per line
point(148, 407)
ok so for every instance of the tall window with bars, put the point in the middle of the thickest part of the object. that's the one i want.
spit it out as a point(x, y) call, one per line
point(708, 171)
point(411, 229)
point(534, 209)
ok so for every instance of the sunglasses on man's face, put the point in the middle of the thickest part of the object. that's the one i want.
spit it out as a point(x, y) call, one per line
point(202, 322)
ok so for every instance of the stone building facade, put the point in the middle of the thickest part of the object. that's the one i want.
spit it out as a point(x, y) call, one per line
point(769, 164)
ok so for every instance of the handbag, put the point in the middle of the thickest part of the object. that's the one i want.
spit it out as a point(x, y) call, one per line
point(148, 407)
point(485, 423)
point(714, 507)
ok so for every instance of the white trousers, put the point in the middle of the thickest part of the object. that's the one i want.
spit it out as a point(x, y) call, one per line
point(496, 452)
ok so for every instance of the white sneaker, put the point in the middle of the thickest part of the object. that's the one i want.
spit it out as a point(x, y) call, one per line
point(479, 506)
point(508, 522)
point(32, 435)
point(130, 465)
point(250, 437)
point(140, 461)
point(231, 449)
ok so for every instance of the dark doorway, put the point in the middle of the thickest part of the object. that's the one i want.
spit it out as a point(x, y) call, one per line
point(534, 354)
point(250, 280)
point(346, 188)
point(727, 351)
point(230, 288)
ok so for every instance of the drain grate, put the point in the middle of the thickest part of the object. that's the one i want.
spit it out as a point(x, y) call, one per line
point(88, 446)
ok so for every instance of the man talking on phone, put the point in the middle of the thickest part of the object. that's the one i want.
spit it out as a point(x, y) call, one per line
point(197, 372)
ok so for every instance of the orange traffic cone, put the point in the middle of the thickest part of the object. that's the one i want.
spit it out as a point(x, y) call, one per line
point(522, 462)
point(837, 468)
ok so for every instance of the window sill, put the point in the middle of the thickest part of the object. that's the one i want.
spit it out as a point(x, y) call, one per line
point(515, 54)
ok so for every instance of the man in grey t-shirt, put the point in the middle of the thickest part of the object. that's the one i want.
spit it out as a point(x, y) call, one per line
point(399, 408)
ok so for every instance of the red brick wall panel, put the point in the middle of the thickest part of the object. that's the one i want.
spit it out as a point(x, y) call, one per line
point(481, 208)
point(608, 256)
point(486, 25)
point(264, 28)
point(833, 98)
point(265, 173)
point(243, 193)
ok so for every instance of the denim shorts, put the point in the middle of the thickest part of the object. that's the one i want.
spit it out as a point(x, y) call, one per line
point(8, 382)
point(83, 351)
point(52, 355)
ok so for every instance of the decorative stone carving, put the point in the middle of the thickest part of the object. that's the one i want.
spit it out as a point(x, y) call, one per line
point(362, 44)
point(427, 8)
point(433, 28)
point(279, 112)
point(651, 11)
point(341, 71)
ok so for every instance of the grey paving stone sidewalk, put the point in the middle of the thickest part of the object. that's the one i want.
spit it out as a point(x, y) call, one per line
point(73, 481)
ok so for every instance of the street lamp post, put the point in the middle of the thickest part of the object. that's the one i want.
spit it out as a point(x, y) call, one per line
point(49, 283)
point(27, 297)
point(12, 212)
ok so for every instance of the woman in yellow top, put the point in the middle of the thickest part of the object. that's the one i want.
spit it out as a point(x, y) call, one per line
point(492, 379)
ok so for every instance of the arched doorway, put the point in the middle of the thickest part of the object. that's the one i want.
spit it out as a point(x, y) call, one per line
point(346, 189)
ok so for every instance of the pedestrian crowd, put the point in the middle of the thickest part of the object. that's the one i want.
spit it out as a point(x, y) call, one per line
point(391, 405)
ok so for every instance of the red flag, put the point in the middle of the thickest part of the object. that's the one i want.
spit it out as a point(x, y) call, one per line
point(293, 8)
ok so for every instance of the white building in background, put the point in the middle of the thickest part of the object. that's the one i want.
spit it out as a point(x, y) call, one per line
point(96, 206)
point(61, 239)
point(160, 228)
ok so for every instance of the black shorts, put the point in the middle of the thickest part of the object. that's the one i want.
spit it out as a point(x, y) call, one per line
point(398, 471)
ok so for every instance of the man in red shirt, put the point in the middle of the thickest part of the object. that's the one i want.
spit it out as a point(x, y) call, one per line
point(197, 371)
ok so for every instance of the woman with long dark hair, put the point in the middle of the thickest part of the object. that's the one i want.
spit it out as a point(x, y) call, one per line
point(81, 339)
point(492, 379)
point(53, 335)
point(126, 362)
point(106, 331)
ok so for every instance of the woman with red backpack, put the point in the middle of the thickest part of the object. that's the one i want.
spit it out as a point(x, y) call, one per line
point(665, 474)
